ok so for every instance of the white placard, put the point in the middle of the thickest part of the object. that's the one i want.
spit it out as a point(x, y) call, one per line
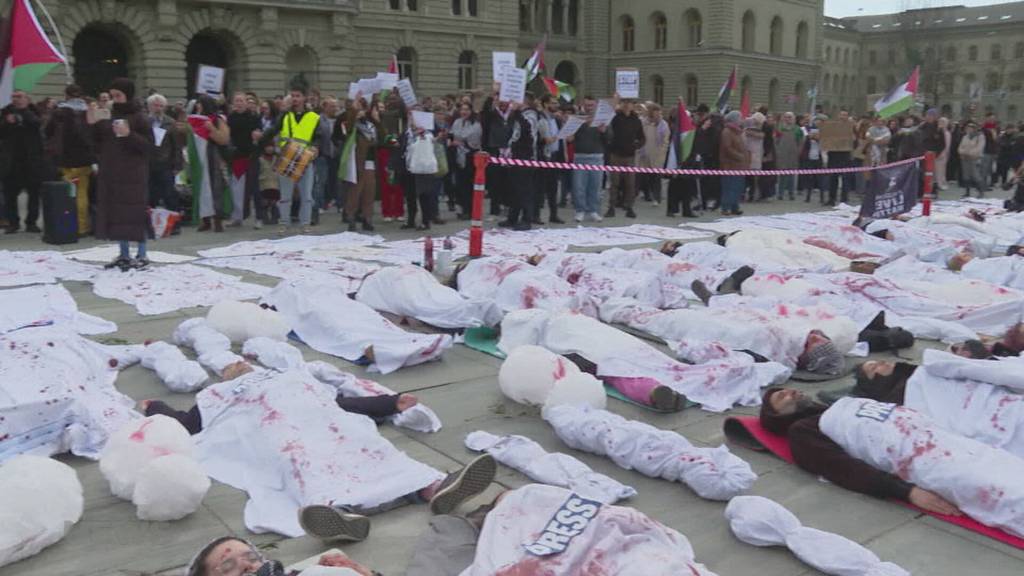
point(423, 120)
point(627, 82)
point(369, 87)
point(353, 90)
point(209, 80)
point(406, 92)
point(386, 80)
point(501, 61)
point(571, 126)
point(604, 113)
point(513, 88)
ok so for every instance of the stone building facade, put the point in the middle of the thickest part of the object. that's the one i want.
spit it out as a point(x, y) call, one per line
point(971, 59)
point(681, 48)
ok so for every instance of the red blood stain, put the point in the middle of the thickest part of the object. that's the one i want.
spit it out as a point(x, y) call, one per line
point(990, 497)
point(430, 350)
point(530, 296)
point(140, 434)
point(559, 372)
point(679, 267)
point(529, 567)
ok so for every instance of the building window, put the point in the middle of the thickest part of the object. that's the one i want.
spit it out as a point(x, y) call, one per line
point(540, 16)
point(846, 57)
point(972, 53)
point(472, 6)
point(856, 58)
point(406, 58)
point(628, 32)
point(574, 16)
point(773, 94)
point(828, 53)
point(801, 40)
point(694, 29)
point(951, 54)
point(660, 32)
point(395, 4)
point(890, 82)
point(658, 89)
point(467, 70)
point(996, 52)
point(872, 58)
point(892, 56)
point(872, 85)
point(827, 84)
point(456, 7)
point(558, 17)
point(747, 40)
point(410, 5)
point(1011, 113)
point(524, 16)
point(775, 37)
point(798, 95)
point(993, 81)
point(947, 87)
point(691, 90)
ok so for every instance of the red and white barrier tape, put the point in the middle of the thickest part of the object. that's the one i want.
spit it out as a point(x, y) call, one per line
point(691, 172)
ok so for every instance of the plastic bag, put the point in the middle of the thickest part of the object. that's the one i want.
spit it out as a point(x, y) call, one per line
point(420, 157)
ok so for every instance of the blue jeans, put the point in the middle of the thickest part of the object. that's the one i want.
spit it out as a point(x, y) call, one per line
point(305, 186)
point(732, 191)
point(586, 184)
point(126, 250)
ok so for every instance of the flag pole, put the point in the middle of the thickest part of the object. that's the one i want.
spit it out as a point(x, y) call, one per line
point(60, 40)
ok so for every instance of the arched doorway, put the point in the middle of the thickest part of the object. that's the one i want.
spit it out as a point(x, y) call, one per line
point(566, 72)
point(100, 56)
point(208, 49)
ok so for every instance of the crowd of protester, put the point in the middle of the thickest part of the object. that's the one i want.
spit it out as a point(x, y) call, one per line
point(240, 140)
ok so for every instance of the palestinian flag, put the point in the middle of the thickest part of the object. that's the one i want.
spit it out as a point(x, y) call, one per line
point(899, 99)
point(393, 65)
point(347, 171)
point(745, 105)
point(535, 64)
point(206, 202)
point(26, 54)
point(726, 92)
point(680, 150)
point(560, 89)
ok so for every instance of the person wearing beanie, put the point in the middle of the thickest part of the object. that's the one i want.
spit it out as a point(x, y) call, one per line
point(123, 144)
point(733, 155)
point(791, 413)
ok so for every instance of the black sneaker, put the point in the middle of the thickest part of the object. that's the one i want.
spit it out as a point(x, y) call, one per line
point(506, 224)
point(11, 230)
point(367, 227)
point(666, 399)
point(331, 524)
point(119, 262)
point(522, 227)
point(630, 213)
point(556, 220)
point(32, 228)
point(463, 484)
point(140, 263)
point(610, 213)
point(352, 227)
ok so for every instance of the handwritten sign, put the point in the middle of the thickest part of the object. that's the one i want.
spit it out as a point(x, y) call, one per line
point(513, 88)
point(836, 135)
point(353, 90)
point(500, 61)
point(423, 120)
point(405, 91)
point(209, 80)
point(386, 80)
point(627, 82)
point(604, 113)
point(571, 126)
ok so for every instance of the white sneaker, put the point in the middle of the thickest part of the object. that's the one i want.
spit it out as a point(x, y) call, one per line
point(389, 220)
point(594, 216)
point(655, 203)
point(578, 217)
point(257, 225)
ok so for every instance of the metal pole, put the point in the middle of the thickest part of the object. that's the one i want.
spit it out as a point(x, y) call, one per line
point(929, 172)
point(476, 223)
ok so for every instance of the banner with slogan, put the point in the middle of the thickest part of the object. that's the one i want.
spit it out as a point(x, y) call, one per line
point(891, 191)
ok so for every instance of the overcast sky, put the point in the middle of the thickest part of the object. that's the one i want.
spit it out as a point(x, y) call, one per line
point(843, 8)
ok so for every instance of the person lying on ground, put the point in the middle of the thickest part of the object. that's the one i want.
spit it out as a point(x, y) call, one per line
point(534, 530)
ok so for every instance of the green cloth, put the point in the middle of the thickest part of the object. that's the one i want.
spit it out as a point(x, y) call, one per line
point(484, 340)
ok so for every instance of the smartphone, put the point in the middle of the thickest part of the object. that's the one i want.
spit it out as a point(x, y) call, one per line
point(101, 114)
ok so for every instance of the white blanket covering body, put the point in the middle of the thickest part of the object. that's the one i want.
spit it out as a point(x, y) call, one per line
point(47, 304)
point(40, 500)
point(174, 287)
point(980, 480)
point(281, 438)
point(713, 473)
point(327, 320)
point(548, 531)
point(413, 292)
point(552, 468)
point(717, 384)
point(516, 285)
point(979, 399)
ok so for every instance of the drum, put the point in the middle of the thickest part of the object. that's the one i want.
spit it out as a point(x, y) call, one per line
point(293, 160)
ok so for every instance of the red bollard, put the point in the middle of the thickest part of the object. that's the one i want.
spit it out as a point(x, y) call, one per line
point(929, 173)
point(476, 222)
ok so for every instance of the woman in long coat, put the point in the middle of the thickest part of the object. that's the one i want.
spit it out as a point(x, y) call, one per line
point(124, 142)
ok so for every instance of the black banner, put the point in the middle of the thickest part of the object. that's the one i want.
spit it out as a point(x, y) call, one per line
point(891, 191)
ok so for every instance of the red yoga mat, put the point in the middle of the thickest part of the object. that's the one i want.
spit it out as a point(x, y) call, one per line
point(747, 431)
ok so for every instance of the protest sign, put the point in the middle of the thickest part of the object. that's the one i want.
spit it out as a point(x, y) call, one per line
point(406, 92)
point(353, 90)
point(627, 82)
point(209, 80)
point(386, 80)
point(571, 126)
point(499, 62)
point(835, 135)
point(513, 88)
point(604, 113)
point(423, 120)
point(890, 191)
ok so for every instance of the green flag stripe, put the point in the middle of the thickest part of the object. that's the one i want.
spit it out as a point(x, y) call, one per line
point(26, 75)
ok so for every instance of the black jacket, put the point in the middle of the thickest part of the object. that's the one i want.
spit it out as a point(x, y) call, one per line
point(627, 134)
point(69, 136)
point(21, 144)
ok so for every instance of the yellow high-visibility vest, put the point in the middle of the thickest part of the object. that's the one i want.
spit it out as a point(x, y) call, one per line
point(303, 130)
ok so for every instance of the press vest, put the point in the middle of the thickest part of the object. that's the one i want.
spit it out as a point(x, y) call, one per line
point(302, 130)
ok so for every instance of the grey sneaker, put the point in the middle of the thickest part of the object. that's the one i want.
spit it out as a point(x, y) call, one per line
point(333, 524)
point(463, 484)
point(666, 399)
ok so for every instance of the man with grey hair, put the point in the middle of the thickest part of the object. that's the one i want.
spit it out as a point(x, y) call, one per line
point(166, 160)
